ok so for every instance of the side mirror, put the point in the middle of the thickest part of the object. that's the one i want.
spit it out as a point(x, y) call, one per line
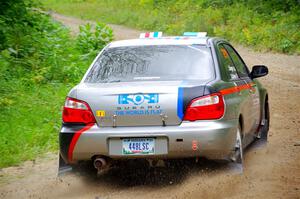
point(259, 71)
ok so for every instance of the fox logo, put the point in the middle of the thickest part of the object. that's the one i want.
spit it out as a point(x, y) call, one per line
point(138, 99)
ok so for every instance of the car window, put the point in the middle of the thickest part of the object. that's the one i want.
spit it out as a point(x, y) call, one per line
point(227, 63)
point(239, 64)
point(157, 62)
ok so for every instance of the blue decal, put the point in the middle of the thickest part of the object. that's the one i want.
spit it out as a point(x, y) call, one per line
point(180, 103)
point(138, 99)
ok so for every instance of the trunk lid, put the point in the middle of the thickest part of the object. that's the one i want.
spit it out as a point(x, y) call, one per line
point(145, 103)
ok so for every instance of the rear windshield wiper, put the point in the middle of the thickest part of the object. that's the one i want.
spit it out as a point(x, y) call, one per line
point(111, 81)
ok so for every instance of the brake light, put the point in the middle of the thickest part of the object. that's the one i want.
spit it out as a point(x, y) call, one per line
point(205, 108)
point(77, 111)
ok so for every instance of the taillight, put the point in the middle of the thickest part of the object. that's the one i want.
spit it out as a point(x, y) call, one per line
point(205, 108)
point(77, 111)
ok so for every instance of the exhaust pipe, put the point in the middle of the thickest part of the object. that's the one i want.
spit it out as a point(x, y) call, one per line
point(100, 163)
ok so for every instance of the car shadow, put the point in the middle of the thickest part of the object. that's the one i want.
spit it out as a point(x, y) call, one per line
point(133, 173)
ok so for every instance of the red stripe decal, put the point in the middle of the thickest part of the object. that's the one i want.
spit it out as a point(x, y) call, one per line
point(75, 139)
point(231, 90)
point(147, 34)
point(235, 89)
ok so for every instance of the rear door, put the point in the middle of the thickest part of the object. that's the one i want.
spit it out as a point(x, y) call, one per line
point(251, 89)
point(236, 102)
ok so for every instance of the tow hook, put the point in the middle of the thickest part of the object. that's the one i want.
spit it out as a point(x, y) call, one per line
point(164, 117)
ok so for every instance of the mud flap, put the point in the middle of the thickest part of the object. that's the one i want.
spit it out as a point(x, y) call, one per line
point(236, 163)
point(237, 156)
point(236, 166)
point(259, 143)
point(262, 136)
point(63, 167)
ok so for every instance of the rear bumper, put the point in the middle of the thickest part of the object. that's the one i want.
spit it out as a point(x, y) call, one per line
point(210, 139)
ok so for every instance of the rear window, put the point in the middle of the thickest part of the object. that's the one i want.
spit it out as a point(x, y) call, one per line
point(159, 62)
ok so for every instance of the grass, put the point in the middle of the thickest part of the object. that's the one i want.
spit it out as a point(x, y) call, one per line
point(39, 63)
point(30, 125)
point(258, 25)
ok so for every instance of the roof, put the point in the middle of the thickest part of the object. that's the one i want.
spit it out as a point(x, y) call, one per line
point(177, 40)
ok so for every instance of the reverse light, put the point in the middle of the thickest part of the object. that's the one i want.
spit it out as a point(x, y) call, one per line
point(77, 111)
point(205, 108)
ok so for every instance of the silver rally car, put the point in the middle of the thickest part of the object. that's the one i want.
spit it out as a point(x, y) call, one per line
point(160, 98)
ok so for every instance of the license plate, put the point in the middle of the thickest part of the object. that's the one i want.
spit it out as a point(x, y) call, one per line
point(138, 146)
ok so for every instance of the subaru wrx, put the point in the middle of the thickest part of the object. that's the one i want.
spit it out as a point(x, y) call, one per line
point(160, 98)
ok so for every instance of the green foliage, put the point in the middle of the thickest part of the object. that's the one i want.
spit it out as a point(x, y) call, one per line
point(39, 63)
point(33, 44)
point(264, 25)
point(89, 41)
point(92, 39)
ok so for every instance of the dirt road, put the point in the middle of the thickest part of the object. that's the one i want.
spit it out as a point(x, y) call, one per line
point(272, 171)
